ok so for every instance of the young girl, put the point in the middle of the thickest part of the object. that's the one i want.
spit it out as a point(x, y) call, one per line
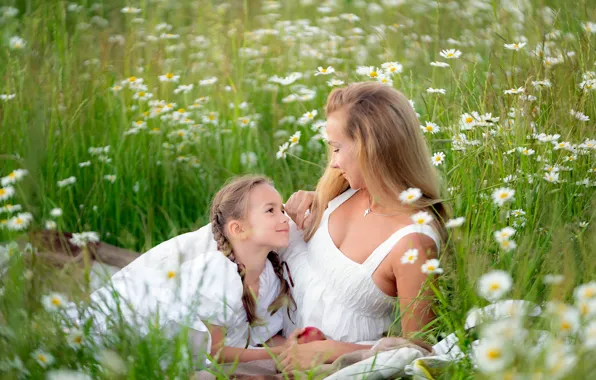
point(235, 295)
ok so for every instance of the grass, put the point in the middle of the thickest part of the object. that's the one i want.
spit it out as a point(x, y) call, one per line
point(164, 180)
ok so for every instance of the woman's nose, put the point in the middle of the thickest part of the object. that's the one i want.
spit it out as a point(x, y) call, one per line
point(334, 165)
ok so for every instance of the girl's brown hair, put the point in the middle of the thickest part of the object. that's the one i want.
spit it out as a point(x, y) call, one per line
point(231, 203)
point(392, 151)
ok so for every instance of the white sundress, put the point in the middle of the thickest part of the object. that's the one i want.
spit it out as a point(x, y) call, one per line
point(335, 293)
point(202, 286)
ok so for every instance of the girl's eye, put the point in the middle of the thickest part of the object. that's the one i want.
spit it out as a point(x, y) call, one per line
point(336, 150)
point(270, 210)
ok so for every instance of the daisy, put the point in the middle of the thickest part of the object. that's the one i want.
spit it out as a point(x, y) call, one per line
point(431, 267)
point(283, 149)
point(515, 46)
point(6, 193)
point(19, 222)
point(295, 138)
point(75, 338)
point(514, 91)
point(169, 77)
point(492, 355)
point(335, 82)
point(50, 225)
point(438, 158)
point(248, 159)
point(110, 177)
point(115, 88)
point(184, 88)
point(456, 222)
point(56, 212)
point(494, 285)
point(410, 256)
point(589, 27)
point(431, 90)
point(385, 79)
point(430, 127)
point(552, 177)
point(504, 234)
point(392, 67)
point(422, 217)
point(14, 177)
point(502, 195)
point(450, 53)
point(585, 292)
point(410, 195)
point(54, 301)
point(43, 358)
point(81, 239)
point(439, 64)
point(324, 71)
point(16, 43)
point(553, 279)
point(130, 10)
point(142, 96)
point(589, 332)
point(507, 245)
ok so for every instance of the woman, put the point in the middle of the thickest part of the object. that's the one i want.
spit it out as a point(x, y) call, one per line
point(351, 275)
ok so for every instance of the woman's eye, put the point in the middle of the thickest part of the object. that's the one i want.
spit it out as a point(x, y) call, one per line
point(270, 210)
point(336, 150)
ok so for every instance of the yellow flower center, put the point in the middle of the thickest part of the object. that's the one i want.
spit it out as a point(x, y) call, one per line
point(78, 339)
point(2, 192)
point(171, 274)
point(410, 258)
point(141, 94)
point(211, 117)
point(494, 286)
point(449, 54)
point(469, 119)
point(565, 325)
point(169, 75)
point(323, 70)
point(13, 175)
point(410, 196)
point(42, 358)
point(244, 121)
point(19, 221)
point(493, 354)
point(180, 134)
point(431, 268)
point(181, 110)
point(429, 128)
point(503, 195)
point(374, 74)
point(155, 129)
point(132, 79)
point(139, 122)
point(589, 293)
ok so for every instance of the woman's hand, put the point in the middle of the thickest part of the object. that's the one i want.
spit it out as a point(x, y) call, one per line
point(297, 205)
point(298, 357)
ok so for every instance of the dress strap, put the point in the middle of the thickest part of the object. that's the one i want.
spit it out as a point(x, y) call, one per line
point(341, 198)
point(381, 252)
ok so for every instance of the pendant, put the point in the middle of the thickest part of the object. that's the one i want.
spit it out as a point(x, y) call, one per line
point(366, 212)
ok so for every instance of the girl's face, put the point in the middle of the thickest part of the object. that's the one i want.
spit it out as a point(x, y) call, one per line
point(266, 217)
point(343, 156)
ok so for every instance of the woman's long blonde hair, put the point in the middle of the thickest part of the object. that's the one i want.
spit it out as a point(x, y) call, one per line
point(231, 203)
point(391, 149)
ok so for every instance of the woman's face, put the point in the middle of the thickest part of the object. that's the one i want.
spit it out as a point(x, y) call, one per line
point(343, 150)
point(267, 220)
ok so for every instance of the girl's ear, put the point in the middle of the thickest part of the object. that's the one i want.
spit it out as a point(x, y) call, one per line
point(236, 230)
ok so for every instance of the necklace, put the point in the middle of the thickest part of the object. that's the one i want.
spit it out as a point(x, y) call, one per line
point(369, 211)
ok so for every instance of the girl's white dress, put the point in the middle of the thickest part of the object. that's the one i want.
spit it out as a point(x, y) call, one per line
point(186, 281)
point(336, 294)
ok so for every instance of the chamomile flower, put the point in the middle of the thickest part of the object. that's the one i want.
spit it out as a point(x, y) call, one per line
point(19, 222)
point(130, 10)
point(502, 195)
point(410, 256)
point(16, 43)
point(50, 225)
point(504, 234)
point(335, 82)
point(6, 193)
point(392, 67)
point(441, 91)
point(324, 71)
point(283, 150)
point(585, 292)
point(44, 359)
point(515, 46)
point(450, 54)
point(431, 266)
point(492, 355)
point(552, 177)
point(430, 127)
point(295, 138)
point(75, 338)
point(494, 285)
point(56, 212)
point(14, 177)
point(422, 218)
point(84, 238)
point(455, 222)
point(438, 158)
point(53, 302)
point(410, 195)
point(515, 91)
point(439, 64)
point(169, 77)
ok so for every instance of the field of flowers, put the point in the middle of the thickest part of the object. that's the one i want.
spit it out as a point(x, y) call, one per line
point(120, 120)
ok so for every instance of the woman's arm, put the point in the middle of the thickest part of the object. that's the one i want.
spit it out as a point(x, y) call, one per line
point(414, 303)
point(302, 356)
point(225, 354)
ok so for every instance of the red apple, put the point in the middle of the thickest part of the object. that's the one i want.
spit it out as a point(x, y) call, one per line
point(310, 334)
